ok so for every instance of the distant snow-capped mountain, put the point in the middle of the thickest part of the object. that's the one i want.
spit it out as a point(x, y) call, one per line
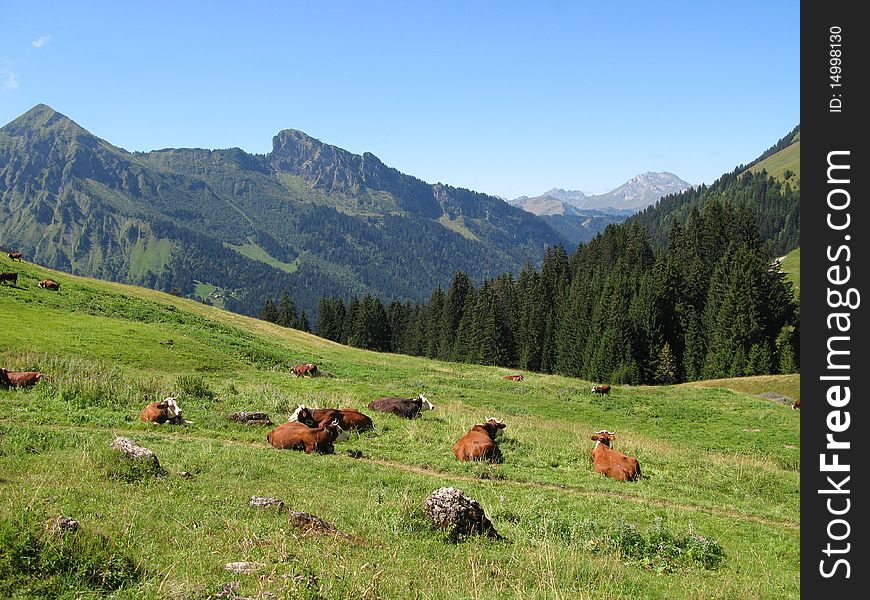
point(632, 196)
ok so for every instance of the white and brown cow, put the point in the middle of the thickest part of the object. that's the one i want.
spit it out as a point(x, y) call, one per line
point(349, 419)
point(166, 411)
point(610, 462)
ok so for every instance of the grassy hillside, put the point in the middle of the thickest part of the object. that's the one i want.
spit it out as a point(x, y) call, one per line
point(722, 468)
point(791, 264)
point(776, 165)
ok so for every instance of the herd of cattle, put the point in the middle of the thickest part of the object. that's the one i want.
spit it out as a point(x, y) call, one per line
point(319, 429)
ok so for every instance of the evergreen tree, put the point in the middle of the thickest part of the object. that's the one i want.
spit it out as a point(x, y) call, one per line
point(434, 317)
point(287, 316)
point(269, 312)
point(303, 324)
point(330, 318)
point(453, 311)
point(666, 368)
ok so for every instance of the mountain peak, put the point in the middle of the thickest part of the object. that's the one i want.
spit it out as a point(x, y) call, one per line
point(45, 119)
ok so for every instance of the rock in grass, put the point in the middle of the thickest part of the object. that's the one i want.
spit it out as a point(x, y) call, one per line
point(458, 514)
point(309, 523)
point(134, 451)
point(243, 568)
point(250, 418)
point(263, 502)
point(60, 525)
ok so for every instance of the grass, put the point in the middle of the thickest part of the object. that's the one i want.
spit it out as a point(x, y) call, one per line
point(791, 264)
point(717, 514)
point(787, 159)
point(255, 252)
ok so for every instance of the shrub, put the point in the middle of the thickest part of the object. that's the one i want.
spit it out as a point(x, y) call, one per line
point(36, 562)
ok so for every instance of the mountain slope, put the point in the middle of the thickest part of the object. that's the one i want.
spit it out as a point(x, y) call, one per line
point(309, 217)
point(545, 499)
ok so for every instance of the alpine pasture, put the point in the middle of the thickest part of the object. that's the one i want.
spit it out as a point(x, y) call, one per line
point(715, 515)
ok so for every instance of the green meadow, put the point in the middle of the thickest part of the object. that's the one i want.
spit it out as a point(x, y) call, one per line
point(716, 515)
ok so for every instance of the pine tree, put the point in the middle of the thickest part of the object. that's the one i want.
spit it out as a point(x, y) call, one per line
point(666, 369)
point(330, 318)
point(269, 312)
point(287, 316)
point(453, 311)
point(303, 323)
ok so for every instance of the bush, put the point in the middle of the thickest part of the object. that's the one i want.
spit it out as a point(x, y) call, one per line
point(36, 562)
point(664, 551)
point(194, 387)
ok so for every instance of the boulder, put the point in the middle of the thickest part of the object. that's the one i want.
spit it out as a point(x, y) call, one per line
point(261, 502)
point(309, 523)
point(134, 451)
point(250, 418)
point(458, 514)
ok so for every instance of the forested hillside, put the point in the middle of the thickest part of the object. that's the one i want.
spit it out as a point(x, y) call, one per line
point(234, 228)
point(774, 200)
point(686, 290)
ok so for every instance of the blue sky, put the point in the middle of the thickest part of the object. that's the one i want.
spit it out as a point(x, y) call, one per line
point(507, 98)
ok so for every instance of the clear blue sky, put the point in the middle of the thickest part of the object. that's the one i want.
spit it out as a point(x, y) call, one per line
point(507, 98)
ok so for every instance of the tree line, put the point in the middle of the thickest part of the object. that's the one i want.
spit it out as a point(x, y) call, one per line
point(708, 303)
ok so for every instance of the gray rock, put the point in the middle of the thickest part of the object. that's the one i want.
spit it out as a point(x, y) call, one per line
point(262, 502)
point(458, 514)
point(61, 525)
point(134, 451)
point(250, 418)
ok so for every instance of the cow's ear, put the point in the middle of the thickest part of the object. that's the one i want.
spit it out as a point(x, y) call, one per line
point(594, 438)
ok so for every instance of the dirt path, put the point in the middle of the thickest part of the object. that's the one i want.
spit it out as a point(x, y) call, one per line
point(418, 470)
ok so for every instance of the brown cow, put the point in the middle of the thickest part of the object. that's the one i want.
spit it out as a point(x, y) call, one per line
point(608, 461)
point(296, 436)
point(22, 379)
point(309, 369)
point(49, 284)
point(479, 443)
point(166, 411)
point(408, 408)
point(601, 389)
point(9, 276)
point(348, 418)
point(513, 377)
point(5, 383)
point(15, 256)
point(796, 404)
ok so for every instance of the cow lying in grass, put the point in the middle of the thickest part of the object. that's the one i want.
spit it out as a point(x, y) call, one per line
point(297, 436)
point(49, 284)
point(601, 389)
point(307, 369)
point(20, 379)
point(166, 411)
point(479, 443)
point(408, 408)
point(349, 419)
point(609, 462)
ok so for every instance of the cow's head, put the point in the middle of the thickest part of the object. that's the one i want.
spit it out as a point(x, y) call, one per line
point(304, 415)
point(498, 424)
point(341, 433)
point(424, 403)
point(603, 437)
